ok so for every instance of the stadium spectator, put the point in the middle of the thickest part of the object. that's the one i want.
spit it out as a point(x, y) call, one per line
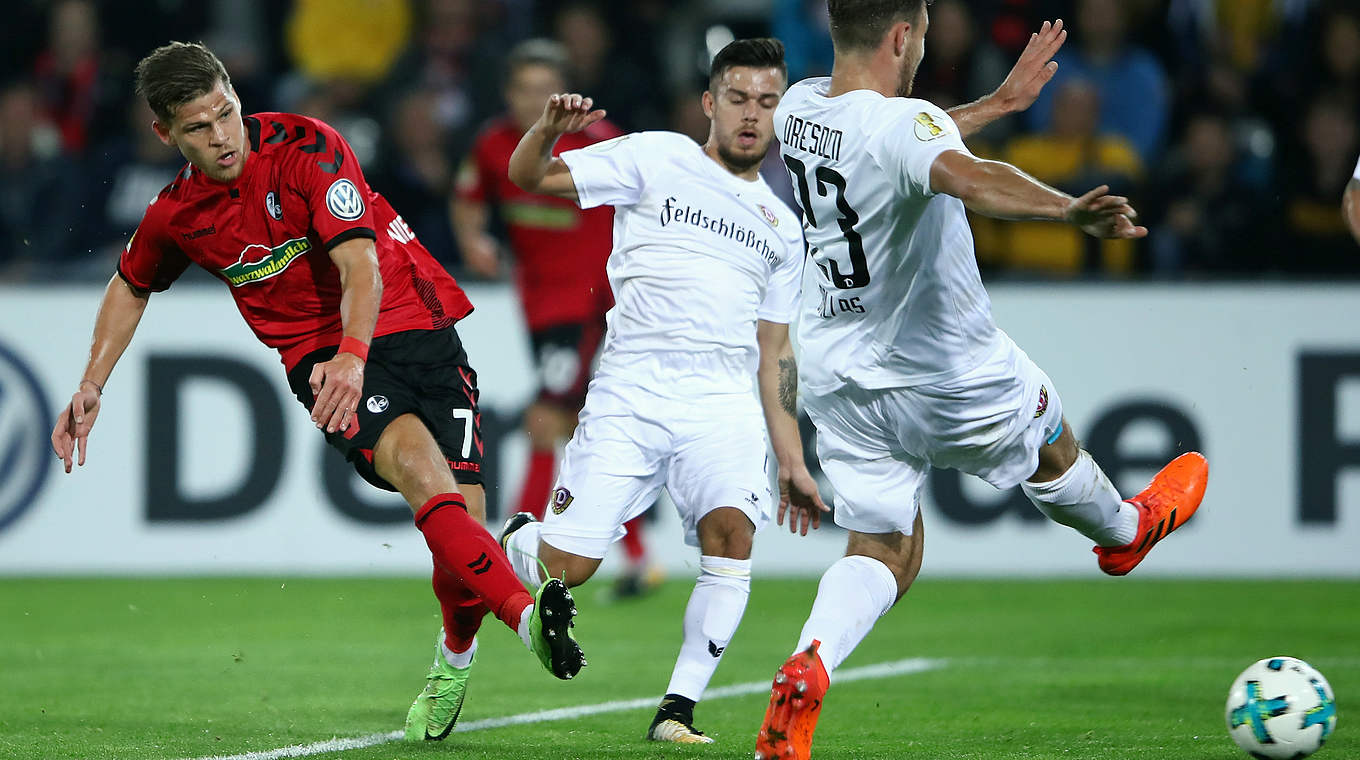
point(1351, 203)
point(418, 172)
point(357, 40)
point(38, 205)
point(959, 67)
point(125, 173)
point(1075, 155)
point(67, 74)
point(1315, 238)
point(803, 25)
point(634, 99)
point(1131, 83)
point(1203, 214)
point(456, 57)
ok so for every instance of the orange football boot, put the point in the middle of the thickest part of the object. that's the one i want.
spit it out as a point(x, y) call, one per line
point(795, 704)
point(1165, 505)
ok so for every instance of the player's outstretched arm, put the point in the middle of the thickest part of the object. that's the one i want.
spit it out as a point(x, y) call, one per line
point(119, 313)
point(532, 166)
point(1001, 191)
point(1350, 206)
point(777, 377)
point(1022, 86)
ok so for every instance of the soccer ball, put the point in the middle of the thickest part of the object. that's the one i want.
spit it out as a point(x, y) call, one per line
point(1280, 708)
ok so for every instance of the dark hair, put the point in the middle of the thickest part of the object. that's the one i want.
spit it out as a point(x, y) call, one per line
point(537, 52)
point(175, 74)
point(759, 53)
point(860, 24)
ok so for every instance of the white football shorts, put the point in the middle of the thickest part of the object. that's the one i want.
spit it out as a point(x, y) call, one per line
point(708, 450)
point(877, 446)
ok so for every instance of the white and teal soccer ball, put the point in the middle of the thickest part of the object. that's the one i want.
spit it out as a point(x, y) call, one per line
point(1281, 708)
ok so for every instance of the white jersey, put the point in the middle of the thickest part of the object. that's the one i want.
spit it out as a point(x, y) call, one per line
point(895, 299)
point(1357, 170)
point(699, 255)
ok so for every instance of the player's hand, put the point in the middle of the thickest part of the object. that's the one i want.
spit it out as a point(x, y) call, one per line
point(800, 500)
point(1104, 216)
point(480, 257)
point(568, 112)
point(337, 386)
point(74, 424)
point(1034, 68)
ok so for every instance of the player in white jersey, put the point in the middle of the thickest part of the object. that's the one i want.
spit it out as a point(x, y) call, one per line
point(903, 366)
point(705, 270)
point(1350, 203)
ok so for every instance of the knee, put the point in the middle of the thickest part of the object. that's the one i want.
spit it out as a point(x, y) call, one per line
point(573, 569)
point(726, 532)
point(1057, 457)
point(544, 425)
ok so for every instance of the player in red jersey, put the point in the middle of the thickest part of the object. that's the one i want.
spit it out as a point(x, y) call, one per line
point(325, 271)
point(559, 253)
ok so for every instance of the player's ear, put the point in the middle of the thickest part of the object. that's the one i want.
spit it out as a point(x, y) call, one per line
point(900, 31)
point(708, 103)
point(163, 132)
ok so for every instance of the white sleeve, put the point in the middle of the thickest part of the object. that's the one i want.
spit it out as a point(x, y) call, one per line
point(1357, 170)
point(606, 173)
point(781, 295)
point(921, 133)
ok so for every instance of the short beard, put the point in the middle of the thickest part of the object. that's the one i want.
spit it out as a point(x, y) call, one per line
point(738, 163)
point(906, 78)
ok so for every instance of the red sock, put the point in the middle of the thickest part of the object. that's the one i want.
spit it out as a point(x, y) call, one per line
point(462, 609)
point(462, 548)
point(538, 482)
point(633, 547)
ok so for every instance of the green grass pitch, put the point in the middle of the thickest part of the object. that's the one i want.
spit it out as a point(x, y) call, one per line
point(1094, 668)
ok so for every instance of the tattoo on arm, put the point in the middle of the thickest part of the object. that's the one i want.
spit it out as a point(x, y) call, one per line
point(788, 385)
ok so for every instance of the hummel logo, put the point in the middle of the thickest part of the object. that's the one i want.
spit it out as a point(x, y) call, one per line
point(714, 649)
point(480, 565)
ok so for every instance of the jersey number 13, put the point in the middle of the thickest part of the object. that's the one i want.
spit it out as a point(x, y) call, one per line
point(826, 179)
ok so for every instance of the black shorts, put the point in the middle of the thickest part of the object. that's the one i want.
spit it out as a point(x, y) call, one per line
point(563, 358)
point(420, 372)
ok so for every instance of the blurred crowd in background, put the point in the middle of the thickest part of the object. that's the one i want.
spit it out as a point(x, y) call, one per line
point(1234, 125)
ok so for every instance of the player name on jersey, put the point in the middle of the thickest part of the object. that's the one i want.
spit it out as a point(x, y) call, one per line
point(811, 137)
point(672, 211)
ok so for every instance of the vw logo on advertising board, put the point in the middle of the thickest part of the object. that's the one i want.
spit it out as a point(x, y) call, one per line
point(25, 430)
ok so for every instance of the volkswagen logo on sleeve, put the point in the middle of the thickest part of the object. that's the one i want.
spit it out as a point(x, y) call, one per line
point(25, 448)
point(344, 201)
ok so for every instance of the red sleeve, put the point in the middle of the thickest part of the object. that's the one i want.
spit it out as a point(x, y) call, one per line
point(602, 130)
point(474, 182)
point(151, 260)
point(326, 173)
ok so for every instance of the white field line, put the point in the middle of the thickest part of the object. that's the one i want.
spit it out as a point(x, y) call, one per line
point(881, 670)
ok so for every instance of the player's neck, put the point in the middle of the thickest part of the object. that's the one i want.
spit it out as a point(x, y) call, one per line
point(858, 72)
point(750, 173)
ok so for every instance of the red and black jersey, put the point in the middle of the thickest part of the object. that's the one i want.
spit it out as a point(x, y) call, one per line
point(560, 251)
point(267, 235)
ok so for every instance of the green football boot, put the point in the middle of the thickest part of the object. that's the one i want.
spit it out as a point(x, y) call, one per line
point(436, 709)
point(550, 630)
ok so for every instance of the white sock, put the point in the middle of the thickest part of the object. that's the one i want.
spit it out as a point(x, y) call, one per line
point(522, 549)
point(523, 629)
point(1084, 499)
point(457, 659)
point(711, 617)
point(853, 594)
